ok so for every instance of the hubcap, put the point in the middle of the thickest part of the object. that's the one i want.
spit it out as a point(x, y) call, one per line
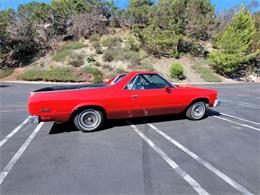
point(89, 119)
point(198, 110)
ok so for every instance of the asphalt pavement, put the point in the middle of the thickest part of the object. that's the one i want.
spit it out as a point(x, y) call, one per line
point(157, 155)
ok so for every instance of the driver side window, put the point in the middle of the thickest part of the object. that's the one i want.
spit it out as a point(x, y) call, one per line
point(137, 83)
point(147, 81)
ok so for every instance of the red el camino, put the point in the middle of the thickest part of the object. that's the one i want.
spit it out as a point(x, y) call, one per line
point(135, 94)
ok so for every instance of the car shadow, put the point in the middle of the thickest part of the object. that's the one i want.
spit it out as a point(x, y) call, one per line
point(68, 127)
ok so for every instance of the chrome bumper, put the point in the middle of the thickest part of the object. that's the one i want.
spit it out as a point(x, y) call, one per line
point(34, 119)
point(217, 103)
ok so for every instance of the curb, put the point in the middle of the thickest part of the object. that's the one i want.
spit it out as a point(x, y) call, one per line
point(70, 83)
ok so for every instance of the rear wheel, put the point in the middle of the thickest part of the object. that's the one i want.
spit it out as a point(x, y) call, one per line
point(89, 120)
point(196, 111)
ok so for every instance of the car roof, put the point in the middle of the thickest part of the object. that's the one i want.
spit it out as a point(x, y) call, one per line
point(143, 72)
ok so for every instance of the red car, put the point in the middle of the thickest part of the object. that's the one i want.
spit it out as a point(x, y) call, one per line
point(135, 94)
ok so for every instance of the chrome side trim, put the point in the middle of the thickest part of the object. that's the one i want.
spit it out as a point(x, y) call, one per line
point(34, 119)
point(217, 103)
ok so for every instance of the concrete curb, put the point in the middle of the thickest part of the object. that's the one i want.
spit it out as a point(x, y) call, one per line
point(70, 83)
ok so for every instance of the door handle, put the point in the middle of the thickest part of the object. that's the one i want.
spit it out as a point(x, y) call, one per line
point(134, 97)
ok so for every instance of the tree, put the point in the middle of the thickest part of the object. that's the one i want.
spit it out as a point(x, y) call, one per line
point(234, 43)
point(139, 11)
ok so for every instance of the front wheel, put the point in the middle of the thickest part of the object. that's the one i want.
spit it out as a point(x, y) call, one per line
point(196, 111)
point(89, 120)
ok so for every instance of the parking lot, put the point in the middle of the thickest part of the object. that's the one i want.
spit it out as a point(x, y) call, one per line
point(158, 155)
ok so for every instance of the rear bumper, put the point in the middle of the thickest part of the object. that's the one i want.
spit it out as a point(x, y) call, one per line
point(217, 103)
point(34, 119)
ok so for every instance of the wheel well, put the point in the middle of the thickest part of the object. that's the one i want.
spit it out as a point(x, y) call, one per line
point(206, 100)
point(88, 107)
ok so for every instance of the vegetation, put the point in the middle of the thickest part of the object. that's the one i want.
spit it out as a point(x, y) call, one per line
point(206, 73)
point(96, 73)
point(234, 43)
point(54, 74)
point(65, 51)
point(5, 72)
point(177, 71)
point(165, 28)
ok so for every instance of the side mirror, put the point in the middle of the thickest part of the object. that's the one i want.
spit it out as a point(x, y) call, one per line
point(167, 89)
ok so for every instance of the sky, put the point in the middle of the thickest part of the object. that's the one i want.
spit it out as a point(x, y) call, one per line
point(220, 4)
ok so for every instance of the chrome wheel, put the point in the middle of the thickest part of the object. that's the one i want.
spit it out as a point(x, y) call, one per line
point(88, 120)
point(198, 110)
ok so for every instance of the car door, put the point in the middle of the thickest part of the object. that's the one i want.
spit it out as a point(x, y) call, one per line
point(153, 95)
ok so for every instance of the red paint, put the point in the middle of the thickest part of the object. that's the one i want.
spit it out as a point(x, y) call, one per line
point(117, 101)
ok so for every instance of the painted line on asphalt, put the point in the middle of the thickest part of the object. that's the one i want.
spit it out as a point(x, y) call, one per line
point(237, 123)
point(193, 183)
point(217, 172)
point(241, 103)
point(21, 110)
point(19, 153)
point(235, 117)
point(13, 132)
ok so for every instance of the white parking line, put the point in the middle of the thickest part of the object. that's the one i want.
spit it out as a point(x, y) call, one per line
point(235, 117)
point(237, 123)
point(13, 132)
point(241, 103)
point(194, 184)
point(21, 110)
point(19, 153)
point(217, 172)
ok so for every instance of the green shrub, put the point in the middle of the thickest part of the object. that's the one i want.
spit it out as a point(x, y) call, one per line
point(6, 72)
point(177, 71)
point(111, 41)
point(96, 73)
point(75, 60)
point(99, 50)
point(62, 53)
point(132, 43)
point(206, 73)
point(234, 44)
point(55, 74)
point(159, 42)
point(109, 55)
point(94, 38)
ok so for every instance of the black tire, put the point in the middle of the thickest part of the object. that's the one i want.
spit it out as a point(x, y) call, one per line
point(89, 120)
point(196, 111)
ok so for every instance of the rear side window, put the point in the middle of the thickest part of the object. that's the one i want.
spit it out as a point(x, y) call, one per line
point(118, 78)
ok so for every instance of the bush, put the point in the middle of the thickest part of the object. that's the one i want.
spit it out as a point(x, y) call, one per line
point(159, 42)
point(75, 60)
point(109, 55)
point(206, 73)
point(234, 44)
point(96, 73)
point(6, 72)
point(55, 74)
point(61, 54)
point(111, 41)
point(94, 38)
point(228, 63)
point(99, 50)
point(177, 71)
point(132, 43)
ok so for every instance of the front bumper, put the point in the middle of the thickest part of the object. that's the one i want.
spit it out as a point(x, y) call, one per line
point(34, 119)
point(217, 103)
